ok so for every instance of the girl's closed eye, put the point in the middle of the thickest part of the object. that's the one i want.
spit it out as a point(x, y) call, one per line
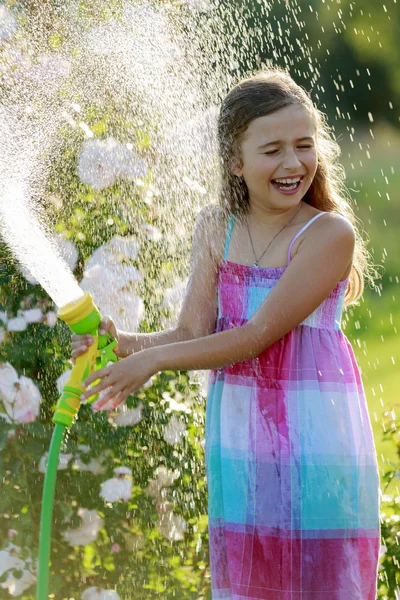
point(273, 151)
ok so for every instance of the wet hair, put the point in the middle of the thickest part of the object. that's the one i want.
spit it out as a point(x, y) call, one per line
point(262, 94)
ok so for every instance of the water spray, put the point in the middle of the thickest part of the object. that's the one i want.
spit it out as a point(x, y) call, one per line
point(83, 317)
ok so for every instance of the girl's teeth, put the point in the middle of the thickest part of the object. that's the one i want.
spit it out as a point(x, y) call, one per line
point(287, 187)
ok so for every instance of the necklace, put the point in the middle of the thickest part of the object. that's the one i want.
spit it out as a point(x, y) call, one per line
point(256, 264)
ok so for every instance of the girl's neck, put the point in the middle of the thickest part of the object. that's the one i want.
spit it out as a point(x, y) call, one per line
point(260, 217)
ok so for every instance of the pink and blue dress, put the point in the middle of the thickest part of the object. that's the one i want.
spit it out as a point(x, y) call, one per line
point(292, 470)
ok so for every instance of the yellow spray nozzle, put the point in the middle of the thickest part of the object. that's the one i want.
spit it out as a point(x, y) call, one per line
point(83, 316)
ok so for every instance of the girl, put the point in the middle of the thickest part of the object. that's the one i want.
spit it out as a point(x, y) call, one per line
point(290, 456)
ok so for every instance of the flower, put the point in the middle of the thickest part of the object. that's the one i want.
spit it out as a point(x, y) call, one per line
point(173, 298)
point(63, 460)
point(101, 161)
point(95, 465)
point(129, 416)
point(62, 380)
point(96, 593)
point(115, 548)
point(33, 315)
point(173, 432)
point(8, 379)
point(174, 404)
point(8, 23)
point(96, 166)
point(153, 233)
point(171, 526)
point(20, 396)
point(16, 324)
point(50, 318)
point(163, 478)
point(114, 252)
point(117, 488)
point(9, 559)
point(88, 531)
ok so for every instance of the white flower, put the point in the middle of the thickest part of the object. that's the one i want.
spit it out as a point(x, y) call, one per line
point(124, 247)
point(96, 166)
point(129, 416)
point(130, 166)
point(174, 431)
point(17, 324)
point(95, 465)
point(88, 531)
point(171, 526)
point(9, 559)
point(123, 307)
point(101, 161)
point(163, 478)
point(8, 379)
point(118, 488)
point(63, 460)
point(116, 277)
point(129, 312)
point(26, 405)
point(21, 397)
point(114, 251)
point(96, 593)
point(62, 380)
point(153, 233)
point(50, 318)
point(33, 315)
point(8, 23)
point(173, 298)
point(3, 317)
point(174, 405)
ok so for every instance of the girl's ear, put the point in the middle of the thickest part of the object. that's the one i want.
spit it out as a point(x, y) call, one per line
point(235, 166)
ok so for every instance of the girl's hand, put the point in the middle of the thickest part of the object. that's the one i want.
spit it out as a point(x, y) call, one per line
point(121, 379)
point(80, 343)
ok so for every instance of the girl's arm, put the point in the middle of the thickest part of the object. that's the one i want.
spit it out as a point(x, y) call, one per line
point(198, 314)
point(309, 279)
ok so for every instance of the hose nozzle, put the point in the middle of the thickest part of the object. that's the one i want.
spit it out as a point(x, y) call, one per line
point(83, 317)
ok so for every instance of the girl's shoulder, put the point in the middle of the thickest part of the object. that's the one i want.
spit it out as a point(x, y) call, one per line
point(213, 219)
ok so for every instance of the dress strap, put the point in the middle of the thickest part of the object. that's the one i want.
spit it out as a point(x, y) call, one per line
point(301, 231)
point(228, 235)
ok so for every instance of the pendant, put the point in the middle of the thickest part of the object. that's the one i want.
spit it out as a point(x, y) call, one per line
point(255, 264)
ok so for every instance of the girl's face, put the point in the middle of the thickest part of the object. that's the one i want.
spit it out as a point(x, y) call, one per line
point(278, 146)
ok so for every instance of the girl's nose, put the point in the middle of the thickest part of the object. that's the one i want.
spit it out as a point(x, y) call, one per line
point(290, 160)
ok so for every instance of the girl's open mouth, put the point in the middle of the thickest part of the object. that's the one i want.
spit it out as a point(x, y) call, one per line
point(285, 188)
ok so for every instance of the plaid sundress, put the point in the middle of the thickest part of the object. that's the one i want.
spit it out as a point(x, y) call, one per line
point(291, 464)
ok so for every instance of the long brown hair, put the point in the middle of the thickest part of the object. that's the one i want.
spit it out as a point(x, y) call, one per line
point(265, 93)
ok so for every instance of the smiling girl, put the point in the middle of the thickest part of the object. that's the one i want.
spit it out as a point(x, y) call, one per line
point(291, 464)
